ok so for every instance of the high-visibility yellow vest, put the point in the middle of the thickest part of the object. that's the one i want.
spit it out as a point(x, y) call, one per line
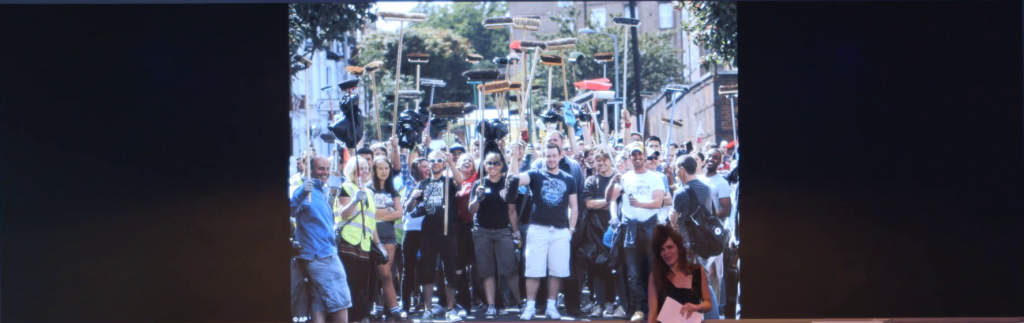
point(360, 230)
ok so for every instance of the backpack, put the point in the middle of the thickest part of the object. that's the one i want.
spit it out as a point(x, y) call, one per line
point(708, 235)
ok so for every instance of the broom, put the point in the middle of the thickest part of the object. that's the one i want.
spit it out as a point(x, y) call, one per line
point(401, 18)
point(537, 46)
point(309, 135)
point(418, 59)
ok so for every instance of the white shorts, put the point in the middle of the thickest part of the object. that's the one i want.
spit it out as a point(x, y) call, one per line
point(547, 248)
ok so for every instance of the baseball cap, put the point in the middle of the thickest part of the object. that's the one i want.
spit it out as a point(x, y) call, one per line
point(457, 147)
point(636, 146)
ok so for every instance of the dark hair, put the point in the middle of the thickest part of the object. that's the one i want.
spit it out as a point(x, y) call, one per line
point(687, 163)
point(661, 270)
point(389, 183)
point(414, 169)
point(653, 138)
point(701, 156)
point(550, 146)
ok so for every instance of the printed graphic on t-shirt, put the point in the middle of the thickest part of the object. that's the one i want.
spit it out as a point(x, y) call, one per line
point(383, 200)
point(553, 190)
point(638, 187)
point(434, 196)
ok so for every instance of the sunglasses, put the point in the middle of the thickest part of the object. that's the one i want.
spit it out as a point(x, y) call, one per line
point(652, 157)
point(436, 161)
point(492, 163)
point(566, 149)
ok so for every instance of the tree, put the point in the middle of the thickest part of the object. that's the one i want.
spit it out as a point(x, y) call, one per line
point(661, 64)
point(447, 52)
point(316, 24)
point(713, 24)
point(466, 20)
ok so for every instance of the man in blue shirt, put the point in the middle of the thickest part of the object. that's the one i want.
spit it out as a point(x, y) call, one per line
point(318, 259)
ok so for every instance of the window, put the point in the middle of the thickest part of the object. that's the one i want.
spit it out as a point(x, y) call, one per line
point(563, 4)
point(666, 16)
point(625, 11)
point(598, 17)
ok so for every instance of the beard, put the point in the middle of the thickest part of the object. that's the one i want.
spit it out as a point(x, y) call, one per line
point(552, 168)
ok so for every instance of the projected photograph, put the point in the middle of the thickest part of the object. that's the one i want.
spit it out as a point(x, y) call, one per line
point(474, 161)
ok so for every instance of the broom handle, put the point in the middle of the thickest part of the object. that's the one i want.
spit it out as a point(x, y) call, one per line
point(529, 90)
point(373, 82)
point(565, 81)
point(309, 132)
point(398, 77)
point(418, 84)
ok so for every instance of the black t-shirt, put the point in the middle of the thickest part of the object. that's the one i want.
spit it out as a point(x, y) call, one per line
point(682, 203)
point(383, 198)
point(594, 189)
point(433, 197)
point(493, 211)
point(551, 197)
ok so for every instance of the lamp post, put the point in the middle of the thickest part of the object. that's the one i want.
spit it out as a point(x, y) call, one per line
point(615, 55)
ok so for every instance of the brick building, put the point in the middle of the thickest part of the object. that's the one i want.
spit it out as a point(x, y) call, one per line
point(701, 115)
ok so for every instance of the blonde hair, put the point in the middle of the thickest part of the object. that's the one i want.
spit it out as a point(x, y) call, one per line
point(351, 174)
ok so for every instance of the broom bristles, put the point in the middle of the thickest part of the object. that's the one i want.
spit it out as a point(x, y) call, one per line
point(551, 60)
point(563, 43)
point(373, 66)
point(604, 57)
point(497, 87)
point(515, 86)
point(626, 21)
point(497, 22)
point(520, 23)
point(355, 70)
point(532, 44)
point(483, 74)
point(410, 94)
point(401, 16)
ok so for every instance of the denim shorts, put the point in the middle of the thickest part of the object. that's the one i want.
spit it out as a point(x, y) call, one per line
point(327, 289)
point(386, 232)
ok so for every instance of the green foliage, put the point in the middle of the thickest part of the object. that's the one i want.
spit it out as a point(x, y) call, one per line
point(466, 19)
point(447, 62)
point(320, 23)
point(713, 24)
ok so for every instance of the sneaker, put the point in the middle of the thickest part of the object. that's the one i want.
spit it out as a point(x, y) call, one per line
point(528, 313)
point(461, 311)
point(552, 314)
point(561, 301)
point(437, 310)
point(427, 317)
point(608, 310)
point(502, 311)
point(619, 313)
point(453, 316)
point(588, 307)
point(491, 313)
point(596, 311)
point(637, 317)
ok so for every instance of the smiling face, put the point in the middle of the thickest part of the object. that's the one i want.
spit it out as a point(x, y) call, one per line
point(714, 159)
point(466, 165)
point(424, 168)
point(551, 157)
point(436, 162)
point(670, 253)
point(638, 159)
point(321, 169)
point(382, 169)
point(493, 165)
point(604, 165)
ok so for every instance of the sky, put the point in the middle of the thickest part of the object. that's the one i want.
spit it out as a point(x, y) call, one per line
point(398, 6)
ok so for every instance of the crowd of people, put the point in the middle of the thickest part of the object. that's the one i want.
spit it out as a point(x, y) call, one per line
point(500, 228)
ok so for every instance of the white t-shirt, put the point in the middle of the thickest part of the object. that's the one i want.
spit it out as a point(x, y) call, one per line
point(642, 187)
point(719, 189)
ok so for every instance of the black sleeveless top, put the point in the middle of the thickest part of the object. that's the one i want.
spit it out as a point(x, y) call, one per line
point(683, 295)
